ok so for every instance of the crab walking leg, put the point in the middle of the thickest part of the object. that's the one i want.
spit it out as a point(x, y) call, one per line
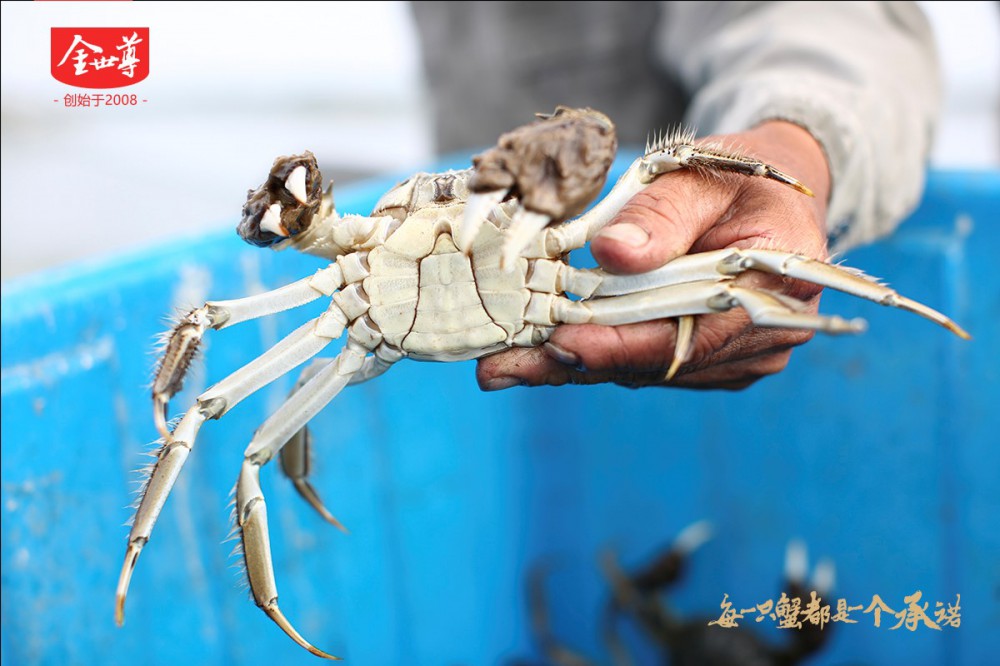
point(296, 464)
point(183, 343)
point(300, 345)
point(677, 152)
point(169, 461)
point(251, 509)
point(377, 364)
point(576, 233)
point(296, 455)
point(732, 261)
point(701, 297)
point(682, 345)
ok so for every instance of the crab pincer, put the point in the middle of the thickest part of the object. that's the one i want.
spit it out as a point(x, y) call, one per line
point(555, 166)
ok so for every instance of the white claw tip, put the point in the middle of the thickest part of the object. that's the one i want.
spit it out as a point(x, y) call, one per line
point(824, 576)
point(271, 221)
point(296, 184)
point(524, 226)
point(477, 208)
point(693, 536)
point(796, 561)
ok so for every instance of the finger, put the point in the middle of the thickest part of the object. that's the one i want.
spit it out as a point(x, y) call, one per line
point(751, 354)
point(520, 367)
point(589, 353)
point(662, 222)
point(736, 375)
point(536, 367)
point(646, 346)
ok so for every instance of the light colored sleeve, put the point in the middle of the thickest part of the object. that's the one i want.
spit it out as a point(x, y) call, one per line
point(862, 77)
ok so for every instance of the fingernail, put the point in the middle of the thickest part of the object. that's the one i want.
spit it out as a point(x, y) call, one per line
point(564, 356)
point(625, 232)
point(501, 383)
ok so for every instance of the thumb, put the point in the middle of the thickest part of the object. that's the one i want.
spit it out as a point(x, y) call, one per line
point(662, 222)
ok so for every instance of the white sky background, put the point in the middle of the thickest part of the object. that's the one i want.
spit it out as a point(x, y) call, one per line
point(234, 85)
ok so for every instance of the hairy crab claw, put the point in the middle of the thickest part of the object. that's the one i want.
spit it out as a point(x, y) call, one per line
point(285, 204)
point(554, 166)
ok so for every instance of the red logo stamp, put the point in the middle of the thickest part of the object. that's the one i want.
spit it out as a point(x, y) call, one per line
point(100, 57)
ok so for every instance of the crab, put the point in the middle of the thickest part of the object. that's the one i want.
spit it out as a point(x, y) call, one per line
point(448, 267)
point(637, 598)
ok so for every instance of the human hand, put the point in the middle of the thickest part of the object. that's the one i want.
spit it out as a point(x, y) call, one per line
point(682, 213)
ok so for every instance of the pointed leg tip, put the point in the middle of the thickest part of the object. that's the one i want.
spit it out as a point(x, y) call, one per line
point(124, 578)
point(330, 518)
point(682, 344)
point(120, 610)
point(279, 619)
point(958, 330)
point(160, 419)
point(693, 536)
point(309, 493)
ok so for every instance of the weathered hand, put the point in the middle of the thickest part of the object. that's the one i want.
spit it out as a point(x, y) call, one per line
point(681, 213)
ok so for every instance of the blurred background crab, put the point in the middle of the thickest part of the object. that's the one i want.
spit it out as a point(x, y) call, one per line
point(639, 600)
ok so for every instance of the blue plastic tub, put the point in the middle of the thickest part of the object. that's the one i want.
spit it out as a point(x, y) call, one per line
point(880, 451)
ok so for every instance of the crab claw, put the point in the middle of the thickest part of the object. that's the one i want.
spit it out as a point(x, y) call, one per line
point(477, 208)
point(554, 166)
point(285, 204)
